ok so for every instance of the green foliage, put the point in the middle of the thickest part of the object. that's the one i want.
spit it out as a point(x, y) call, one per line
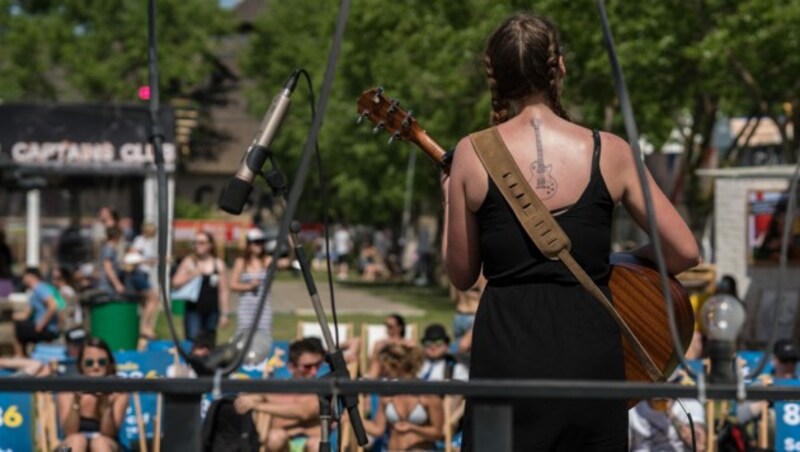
point(188, 210)
point(97, 50)
point(425, 55)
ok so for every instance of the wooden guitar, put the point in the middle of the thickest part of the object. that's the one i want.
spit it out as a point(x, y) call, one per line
point(635, 285)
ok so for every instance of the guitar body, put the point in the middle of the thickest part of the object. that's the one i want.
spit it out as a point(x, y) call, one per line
point(636, 289)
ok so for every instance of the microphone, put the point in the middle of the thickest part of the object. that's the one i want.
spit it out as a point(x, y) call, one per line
point(236, 192)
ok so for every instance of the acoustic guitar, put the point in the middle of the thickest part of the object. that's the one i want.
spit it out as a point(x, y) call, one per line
point(635, 284)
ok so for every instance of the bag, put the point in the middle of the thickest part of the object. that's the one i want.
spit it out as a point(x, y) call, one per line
point(189, 291)
point(732, 438)
point(225, 430)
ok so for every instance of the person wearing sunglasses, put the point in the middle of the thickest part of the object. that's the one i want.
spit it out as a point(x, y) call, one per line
point(439, 364)
point(210, 311)
point(395, 334)
point(247, 277)
point(295, 417)
point(91, 421)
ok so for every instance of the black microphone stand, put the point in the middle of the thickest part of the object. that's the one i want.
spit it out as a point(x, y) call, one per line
point(334, 356)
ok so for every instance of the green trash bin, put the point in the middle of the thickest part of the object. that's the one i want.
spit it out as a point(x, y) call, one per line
point(178, 307)
point(116, 322)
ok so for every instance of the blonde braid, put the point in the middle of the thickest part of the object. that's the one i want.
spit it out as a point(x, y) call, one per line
point(499, 105)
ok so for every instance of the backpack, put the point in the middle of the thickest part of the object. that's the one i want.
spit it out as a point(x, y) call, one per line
point(225, 430)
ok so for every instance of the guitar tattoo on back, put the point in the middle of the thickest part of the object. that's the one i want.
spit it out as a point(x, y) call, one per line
point(546, 185)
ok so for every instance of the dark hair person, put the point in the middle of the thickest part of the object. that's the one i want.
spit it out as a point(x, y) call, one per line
point(91, 421)
point(210, 310)
point(535, 321)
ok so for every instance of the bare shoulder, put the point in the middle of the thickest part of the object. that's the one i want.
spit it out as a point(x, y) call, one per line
point(615, 146)
point(464, 155)
point(616, 164)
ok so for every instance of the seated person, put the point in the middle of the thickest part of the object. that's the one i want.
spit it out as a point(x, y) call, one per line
point(785, 355)
point(370, 262)
point(24, 367)
point(439, 364)
point(204, 343)
point(39, 321)
point(466, 306)
point(295, 417)
point(91, 421)
point(415, 422)
point(662, 424)
point(395, 334)
point(74, 340)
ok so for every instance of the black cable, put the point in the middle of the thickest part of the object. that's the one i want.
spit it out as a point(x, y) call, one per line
point(157, 137)
point(300, 175)
point(633, 138)
point(323, 195)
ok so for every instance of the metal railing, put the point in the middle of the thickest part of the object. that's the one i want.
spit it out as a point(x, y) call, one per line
point(182, 396)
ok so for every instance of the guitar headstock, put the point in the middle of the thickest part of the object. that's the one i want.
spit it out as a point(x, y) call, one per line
point(387, 115)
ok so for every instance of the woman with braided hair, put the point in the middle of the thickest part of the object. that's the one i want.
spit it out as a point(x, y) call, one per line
point(535, 321)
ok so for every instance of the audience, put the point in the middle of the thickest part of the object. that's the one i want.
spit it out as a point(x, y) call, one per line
point(439, 364)
point(247, 277)
point(39, 322)
point(370, 263)
point(91, 421)
point(785, 355)
point(211, 309)
point(466, 306)
point(295, 417)
point(110, 273)
point(415, 422)
point(204, 343)
point(74, 340)
point(142, 257)
point(395, 333)
point(661, 424)
point(71, 315)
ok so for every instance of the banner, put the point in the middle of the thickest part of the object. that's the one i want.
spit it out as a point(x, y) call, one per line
point(82, 138)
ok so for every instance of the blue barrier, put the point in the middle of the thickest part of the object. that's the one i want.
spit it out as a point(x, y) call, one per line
point(16, 422)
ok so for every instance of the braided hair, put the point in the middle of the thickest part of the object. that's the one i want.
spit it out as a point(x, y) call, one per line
point(522, 58)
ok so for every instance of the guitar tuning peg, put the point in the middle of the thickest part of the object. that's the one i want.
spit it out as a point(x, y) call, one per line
point(380, 126)
point(360, 118)
point(395, 136)
point(407, 120)
point(392, 107)
point(377, 97)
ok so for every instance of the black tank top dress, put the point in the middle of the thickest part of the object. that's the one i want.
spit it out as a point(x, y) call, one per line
point(535, 321)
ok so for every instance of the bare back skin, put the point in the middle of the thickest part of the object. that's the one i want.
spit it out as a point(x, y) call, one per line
point(565, 149)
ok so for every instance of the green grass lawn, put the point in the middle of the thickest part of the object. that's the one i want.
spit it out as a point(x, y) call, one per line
point(433, 301)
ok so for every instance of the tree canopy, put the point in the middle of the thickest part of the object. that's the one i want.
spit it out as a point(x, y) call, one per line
point(680, 59)
point(687, 63)
point(96, 50)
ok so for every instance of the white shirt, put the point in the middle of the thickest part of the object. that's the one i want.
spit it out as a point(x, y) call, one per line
point(435, 371)
point(342, 243)
point(147, 247)
point(652, 431)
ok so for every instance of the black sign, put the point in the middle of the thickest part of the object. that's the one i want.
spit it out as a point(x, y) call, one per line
point(82, 137)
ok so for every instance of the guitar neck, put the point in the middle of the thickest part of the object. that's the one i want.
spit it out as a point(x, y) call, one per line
point(430, 147)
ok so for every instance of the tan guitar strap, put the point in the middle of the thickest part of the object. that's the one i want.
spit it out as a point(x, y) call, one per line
point(543, 229)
